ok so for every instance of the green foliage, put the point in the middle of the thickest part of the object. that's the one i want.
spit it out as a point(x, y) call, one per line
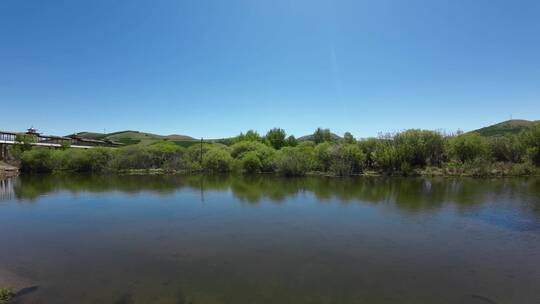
point(531, 139)
point(525, 168)
point(348, 138)
point(368, 147)
point(323, 156)
point(128, 141)
point(65, 144)
point(291, 141)
point(5, 295)
point(292, 161)
point(419, 148)
point(130, 137)
point(509, 127)
point(263, 152)
point(346, 159)
point(250, 135)
point(250, 162)
point(133, 157)
point(194, 155)
point(322, 135)
point(385, 156)
point(167, 155)
point(411, 151)
point(217, 160)
point(25, 143)
point(82, 160)
point(506, 148)
point(276, 138)
point(37, 160)
point(468, 147)
point(25, 138)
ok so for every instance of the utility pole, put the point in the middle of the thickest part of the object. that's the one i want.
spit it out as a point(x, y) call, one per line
point(201, 149)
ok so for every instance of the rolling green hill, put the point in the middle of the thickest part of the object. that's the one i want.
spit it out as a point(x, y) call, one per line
point(130, 137)
point(310, 137)
point(513, 126)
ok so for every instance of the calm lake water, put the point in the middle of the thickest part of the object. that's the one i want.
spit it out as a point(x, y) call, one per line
point(264, 239)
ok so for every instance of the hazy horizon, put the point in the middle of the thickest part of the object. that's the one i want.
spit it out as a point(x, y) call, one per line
point(216, 69)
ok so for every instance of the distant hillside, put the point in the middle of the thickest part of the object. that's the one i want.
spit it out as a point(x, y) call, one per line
point(130, 137)
point(310, 137)
point(513, 126)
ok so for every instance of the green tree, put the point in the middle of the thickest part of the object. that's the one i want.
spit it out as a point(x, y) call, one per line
point(276, 138)
point(292, 161)
point(263, 152)
point(65, 144)
point(322, 135)
point(468, 147)
point(168, 155)
point(323, 156)
point(37, 160)
point(25, 142)
point(346, 159)
point(418, 148)
point(250, 162)
point(368, 147)
point(386, 157)
point(531, 139)
point(507, 148)
point(348, 138)
point(291, 141)
point(250, 135)
point(133, 157)
point(217, 160)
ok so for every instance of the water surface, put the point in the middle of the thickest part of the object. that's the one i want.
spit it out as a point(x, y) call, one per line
point(264, 239)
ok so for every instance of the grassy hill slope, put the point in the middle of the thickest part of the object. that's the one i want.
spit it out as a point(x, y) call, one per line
point(310, 137)
point(130, 137)
point(514, 126)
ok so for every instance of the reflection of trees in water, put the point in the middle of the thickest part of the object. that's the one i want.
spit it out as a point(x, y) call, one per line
point(407, 193)
point(6, 189)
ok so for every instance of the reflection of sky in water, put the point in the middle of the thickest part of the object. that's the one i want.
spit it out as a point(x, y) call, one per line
point(177, 239)
point(514, 219)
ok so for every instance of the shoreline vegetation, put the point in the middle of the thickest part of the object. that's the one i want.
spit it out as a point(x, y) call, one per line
point(411, 152)
point(5, 295)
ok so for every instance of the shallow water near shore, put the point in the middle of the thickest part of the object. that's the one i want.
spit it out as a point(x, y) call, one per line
point(265, 239)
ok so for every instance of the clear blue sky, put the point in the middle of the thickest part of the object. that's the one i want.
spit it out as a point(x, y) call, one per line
point(215, 68)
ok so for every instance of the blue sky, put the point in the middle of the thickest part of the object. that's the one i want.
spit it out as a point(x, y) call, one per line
point(215, 68)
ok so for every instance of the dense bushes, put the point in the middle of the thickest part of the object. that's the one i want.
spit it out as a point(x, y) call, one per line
point(93, 160)
point(217, 160)
point(37, 160)
point(6, 294)
point(531, 139)
point(292, 161)
point(408, 152)
point(468, 147)
point(420, 148)
point(346, 159)
point(263, 152)
point(507, 148)
point(250, 162)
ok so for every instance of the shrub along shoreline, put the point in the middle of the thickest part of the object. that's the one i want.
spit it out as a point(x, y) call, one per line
point(411, 152)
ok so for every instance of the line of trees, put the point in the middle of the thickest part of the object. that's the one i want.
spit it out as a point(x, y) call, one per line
point(408, 152)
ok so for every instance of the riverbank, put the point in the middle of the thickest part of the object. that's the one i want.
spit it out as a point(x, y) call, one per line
point(498, 170)
point(14, 286)
point(7, 170)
